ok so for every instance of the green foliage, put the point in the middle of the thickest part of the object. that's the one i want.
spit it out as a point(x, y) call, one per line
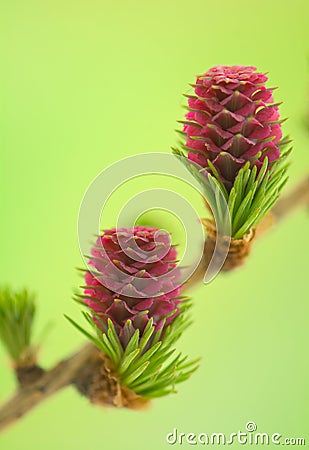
point(149, 364)
point(252, 196)
point(17, 312)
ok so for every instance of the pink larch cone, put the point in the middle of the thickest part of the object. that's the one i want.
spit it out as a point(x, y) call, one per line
point(232, 119)
point(153, 281)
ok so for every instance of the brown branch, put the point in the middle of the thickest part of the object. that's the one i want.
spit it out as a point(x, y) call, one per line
point(78, 369)
point(52, 381)
point(298, 197)
point(89, 370)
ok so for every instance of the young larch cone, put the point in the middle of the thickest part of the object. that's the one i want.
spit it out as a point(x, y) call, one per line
point(140, 262)
point(132, 289)
point(232, 119)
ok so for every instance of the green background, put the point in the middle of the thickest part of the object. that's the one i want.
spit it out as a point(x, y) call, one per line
point(86, 83)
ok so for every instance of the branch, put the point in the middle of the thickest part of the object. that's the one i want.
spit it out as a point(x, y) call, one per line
point(76, 369)
point(298, 197)
point(89, 370)
point(52, 381)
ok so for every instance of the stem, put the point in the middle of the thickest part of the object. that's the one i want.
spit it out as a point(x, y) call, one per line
point(52, 381)
point(298, 197)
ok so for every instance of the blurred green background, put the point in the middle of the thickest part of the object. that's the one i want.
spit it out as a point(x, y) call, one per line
point(86, 83)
